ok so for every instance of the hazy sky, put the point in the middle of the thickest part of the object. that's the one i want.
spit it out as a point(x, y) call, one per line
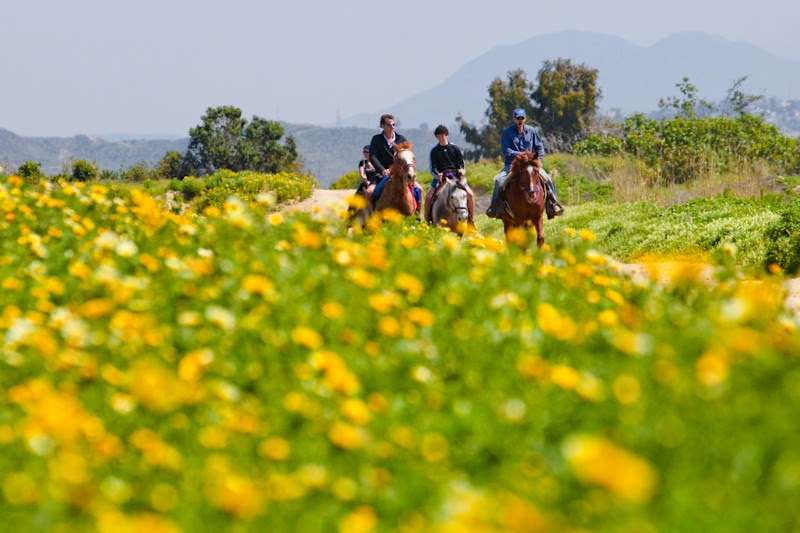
point(98, 66)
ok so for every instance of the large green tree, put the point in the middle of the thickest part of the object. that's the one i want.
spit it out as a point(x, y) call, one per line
point(504, 97)
point(225, 139)
point(566, 99)
point(563, 103)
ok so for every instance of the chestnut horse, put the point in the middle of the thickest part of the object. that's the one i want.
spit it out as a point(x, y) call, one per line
point(398, 194)
point(525, 195)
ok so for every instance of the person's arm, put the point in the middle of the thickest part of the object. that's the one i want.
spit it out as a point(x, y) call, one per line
point(362, 169)
point(374, 146)
point(460, 160)
point(539, 145)
point(505, 142)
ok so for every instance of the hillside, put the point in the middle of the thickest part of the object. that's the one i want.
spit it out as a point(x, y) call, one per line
point(632, 77)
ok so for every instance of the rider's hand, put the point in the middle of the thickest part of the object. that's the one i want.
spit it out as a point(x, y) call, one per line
point(386, 172)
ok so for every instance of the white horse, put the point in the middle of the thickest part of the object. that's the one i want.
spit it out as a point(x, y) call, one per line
point(451, 205)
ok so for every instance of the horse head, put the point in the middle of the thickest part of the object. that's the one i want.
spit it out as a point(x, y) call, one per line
point(525, 172)
point(457, 197)
point(404, 161)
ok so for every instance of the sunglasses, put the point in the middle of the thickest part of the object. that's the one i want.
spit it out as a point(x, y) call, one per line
point(519, 118)
point(390, 125)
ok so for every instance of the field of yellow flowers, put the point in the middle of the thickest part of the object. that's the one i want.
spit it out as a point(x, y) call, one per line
point(247, 370)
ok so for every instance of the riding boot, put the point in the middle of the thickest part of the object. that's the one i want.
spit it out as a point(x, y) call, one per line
point(496, 207)
point(551, 205)
point(471, 209)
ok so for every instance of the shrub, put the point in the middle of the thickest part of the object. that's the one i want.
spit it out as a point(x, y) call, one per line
point(681, 149)
point(170, 166)
point(783, 239)
point(347, 181)
point(31, 171)
point(83, 170)
point(109, 175)
point(138, 173)
point(215, 189)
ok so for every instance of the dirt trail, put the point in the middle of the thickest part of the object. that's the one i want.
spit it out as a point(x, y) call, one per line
point(327, 202)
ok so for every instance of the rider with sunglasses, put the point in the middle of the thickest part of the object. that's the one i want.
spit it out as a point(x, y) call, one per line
point(381, 153)
point(516, 139)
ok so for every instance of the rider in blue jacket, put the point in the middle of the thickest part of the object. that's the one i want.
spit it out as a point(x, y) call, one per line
point(516, 139)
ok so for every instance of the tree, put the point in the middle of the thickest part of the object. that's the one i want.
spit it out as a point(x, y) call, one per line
point(566, 99)
point(225, 139)
point(504, 97)
point(83, 170)
point(30, 170)
point(687, 105)
point(737, 101)
point(170, 166)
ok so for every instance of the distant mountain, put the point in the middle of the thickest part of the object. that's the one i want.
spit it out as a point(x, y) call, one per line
point(632, 77)
point(55, 152)
point(325, 152)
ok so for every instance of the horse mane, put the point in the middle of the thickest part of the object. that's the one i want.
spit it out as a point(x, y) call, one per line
point(523, 160)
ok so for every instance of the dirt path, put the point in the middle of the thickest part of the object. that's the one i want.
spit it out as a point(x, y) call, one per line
point(326, 202)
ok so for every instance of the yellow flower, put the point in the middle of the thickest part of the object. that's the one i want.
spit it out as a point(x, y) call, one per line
point(306, 337)
point(347, 436)
point(565, 377)
point(389, 326)
point(713, 367)
point(411, 285)
point(552, 322)
point(275, 448)
point(332, 310)
point(434, 447)
point(357, 411)
point(587, 235)
point(256, 284)
point(598, 461)
point(383, 302)
point(362, 520)
point(275, 219)
point(421, 316)
point(627, 389)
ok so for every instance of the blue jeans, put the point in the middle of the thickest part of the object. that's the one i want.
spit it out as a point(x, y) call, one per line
point(379, 189)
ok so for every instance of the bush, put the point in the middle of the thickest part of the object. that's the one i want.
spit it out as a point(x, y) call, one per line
point(109, 175)
point(783, 240)
point(681, 149)
point(83, 170)
point(215, 189)
point(31, 171)
point(347, 181)
point(170, 166)
point(137, 173)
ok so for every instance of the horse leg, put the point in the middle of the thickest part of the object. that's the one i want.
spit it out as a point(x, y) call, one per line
point(470, 207)
point(539, 225)
point(429, 205)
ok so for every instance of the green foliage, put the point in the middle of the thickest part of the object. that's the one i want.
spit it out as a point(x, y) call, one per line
point(681, 149)
point(226, 140)
point(631, 230)
point(565, 98)
point(30, 170)
point(137, 173)
point(504, 97)
point(214, 190)
point(171, 166)
point(347, 181)
point(688, 104)
point(783, 239)
point(83, 170)
point(564, 103)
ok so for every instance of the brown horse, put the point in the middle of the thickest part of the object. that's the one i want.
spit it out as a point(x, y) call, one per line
point(525, 195)
point(398, 194)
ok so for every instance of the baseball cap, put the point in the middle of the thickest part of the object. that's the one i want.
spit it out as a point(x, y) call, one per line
point(519, 112)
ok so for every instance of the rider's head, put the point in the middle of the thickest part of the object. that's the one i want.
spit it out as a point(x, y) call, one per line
point(387, 123)
point(365, 151)
point(442, 134)
point(519, 117)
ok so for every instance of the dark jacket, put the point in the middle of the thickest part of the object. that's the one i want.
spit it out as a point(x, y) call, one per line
point(448, 157)
point(381, 154)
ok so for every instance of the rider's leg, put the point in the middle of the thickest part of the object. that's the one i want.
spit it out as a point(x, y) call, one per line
point(496, 208)
point(552, 207)
point(376, 194)
point(418, 195)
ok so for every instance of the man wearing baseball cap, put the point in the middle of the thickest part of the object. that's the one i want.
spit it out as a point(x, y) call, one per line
point(518, 138)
